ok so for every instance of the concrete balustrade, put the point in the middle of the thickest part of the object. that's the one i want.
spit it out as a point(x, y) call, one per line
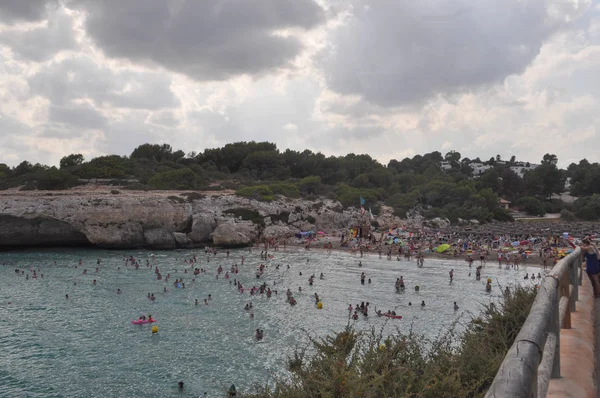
point(554, 353)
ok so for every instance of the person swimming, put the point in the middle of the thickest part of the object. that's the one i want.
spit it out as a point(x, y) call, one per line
point(423, 303)
point(259, 334)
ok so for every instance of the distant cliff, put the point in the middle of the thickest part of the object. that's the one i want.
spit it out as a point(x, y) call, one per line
point(161, 220)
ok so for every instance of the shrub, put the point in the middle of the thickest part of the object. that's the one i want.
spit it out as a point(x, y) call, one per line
point(230, 185)
point(350, 196)
point(310, 185)
point(174, 179)
point(115, 192)
point(285, 189)
point(283, 217)
point(29, 186)
point(246, 215)
point(352, 364)
point(567, 215)
point(258, 192)
point(532, 206)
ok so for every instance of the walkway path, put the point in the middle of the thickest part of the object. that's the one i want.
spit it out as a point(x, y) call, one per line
point(577, 356)
point(597, 326)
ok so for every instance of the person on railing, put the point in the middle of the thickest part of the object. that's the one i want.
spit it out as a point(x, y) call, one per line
point(592, 266)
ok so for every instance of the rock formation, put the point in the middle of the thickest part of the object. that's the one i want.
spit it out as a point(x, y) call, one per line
point(161, 220)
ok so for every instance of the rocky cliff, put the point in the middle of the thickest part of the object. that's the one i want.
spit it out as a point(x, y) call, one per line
point(161, 220)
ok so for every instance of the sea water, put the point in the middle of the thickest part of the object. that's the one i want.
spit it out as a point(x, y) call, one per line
point(86, 346)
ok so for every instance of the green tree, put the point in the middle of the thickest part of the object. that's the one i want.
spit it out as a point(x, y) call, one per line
point(23, 168)
point(532, 206)
point(310, 185)
point(5, 171)
point(265, 164)
point(72, 160)
point(111, 166)
point(550, 159)
point(452, 156)
point(156, 152)
point(55, 179)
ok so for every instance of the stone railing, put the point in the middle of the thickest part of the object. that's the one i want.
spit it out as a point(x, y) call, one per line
point(534, 358)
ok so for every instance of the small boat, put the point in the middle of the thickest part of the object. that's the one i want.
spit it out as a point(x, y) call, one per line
point(143, 321)
point(393, 316)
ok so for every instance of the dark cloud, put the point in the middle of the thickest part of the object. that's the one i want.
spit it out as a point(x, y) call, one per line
point(80, 116)
point(82, 78)
point(24, 10)
point(395, 53)
point(43, 42)
point(206, 40)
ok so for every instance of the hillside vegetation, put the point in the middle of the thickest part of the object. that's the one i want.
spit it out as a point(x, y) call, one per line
point(438, 185)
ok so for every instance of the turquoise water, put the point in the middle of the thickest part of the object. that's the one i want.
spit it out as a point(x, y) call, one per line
point(86, 346)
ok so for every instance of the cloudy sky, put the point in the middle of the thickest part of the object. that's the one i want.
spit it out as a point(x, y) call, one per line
point(385, 77)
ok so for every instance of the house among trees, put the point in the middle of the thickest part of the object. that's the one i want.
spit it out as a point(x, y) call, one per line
point(505, 204)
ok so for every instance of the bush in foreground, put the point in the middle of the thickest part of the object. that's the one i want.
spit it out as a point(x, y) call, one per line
point(353, 364)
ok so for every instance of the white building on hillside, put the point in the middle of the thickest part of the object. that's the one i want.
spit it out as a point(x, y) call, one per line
point(479, 168)
point(521, 168)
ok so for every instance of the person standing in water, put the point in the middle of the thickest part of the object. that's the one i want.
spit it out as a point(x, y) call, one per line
point(451, 273)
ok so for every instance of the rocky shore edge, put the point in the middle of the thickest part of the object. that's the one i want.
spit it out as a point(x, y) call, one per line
point(164, 219)
point(120, 219)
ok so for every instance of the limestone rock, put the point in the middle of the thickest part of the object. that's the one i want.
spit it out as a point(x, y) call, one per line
point(115, 235)
point(159, 238)
point(306, 226)
point(293, 217)
point(182, 240)
point(41, 230)
point(277, 232)
point(235, 234)
point(202, 226)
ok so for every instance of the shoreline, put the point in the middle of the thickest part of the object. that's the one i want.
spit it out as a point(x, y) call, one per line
point(491, 258)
